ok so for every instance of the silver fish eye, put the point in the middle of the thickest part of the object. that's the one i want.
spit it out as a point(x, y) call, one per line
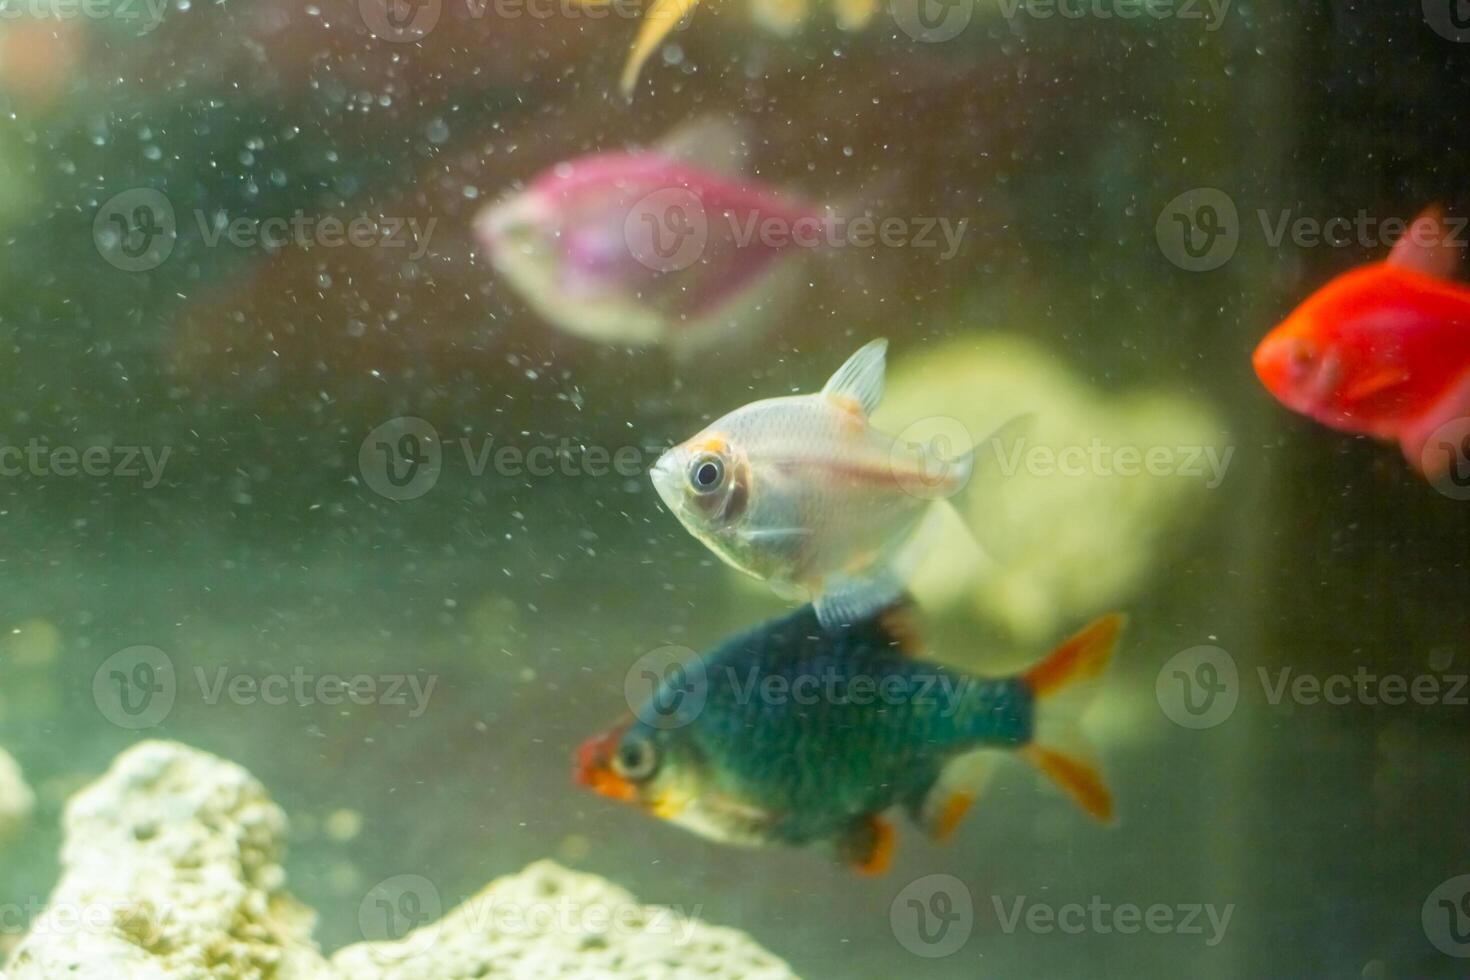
point(635, 760)
point(706, 474)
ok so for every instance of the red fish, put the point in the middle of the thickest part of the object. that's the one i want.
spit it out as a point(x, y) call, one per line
point(1382, 350)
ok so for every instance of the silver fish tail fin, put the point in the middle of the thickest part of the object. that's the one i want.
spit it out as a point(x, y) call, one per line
point(1063, 685)
point(992, 464)
point(939, 459)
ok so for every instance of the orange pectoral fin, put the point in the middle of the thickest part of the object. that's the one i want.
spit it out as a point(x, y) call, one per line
point(1374, 383)
point(869, 846)
point(951, 814)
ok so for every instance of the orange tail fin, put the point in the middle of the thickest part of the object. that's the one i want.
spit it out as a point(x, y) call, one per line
point(1081, 658)
point(1064, 684)
point(1078, 779)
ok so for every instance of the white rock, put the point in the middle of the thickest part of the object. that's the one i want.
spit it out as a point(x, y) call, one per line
point(16, 799)
point(171, 871)
point(548, 922)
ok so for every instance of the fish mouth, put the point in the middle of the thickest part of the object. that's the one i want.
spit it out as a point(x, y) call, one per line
point(509, 222)
point(1275, 362)
point(664, 477)
point(1264, 363)
point(593, 771)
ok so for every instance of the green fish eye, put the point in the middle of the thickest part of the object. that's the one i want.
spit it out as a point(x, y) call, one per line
point(635, 759)
point(706, 474)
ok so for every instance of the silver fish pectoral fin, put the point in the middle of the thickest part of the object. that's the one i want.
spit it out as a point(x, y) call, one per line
point(774, 548)
point(774, 536)
point(849, 600)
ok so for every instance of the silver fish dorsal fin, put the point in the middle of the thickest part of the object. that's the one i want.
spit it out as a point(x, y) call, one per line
point(860, 380)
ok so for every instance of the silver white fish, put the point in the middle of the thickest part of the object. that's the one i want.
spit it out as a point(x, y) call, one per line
point(804, 493)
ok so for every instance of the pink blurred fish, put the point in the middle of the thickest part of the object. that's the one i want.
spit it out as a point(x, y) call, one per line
point(653, 246)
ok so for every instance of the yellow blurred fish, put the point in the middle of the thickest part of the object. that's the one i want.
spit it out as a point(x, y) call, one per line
point(781, 16)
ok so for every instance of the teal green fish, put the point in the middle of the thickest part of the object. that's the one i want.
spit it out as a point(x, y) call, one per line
point(796, 734)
